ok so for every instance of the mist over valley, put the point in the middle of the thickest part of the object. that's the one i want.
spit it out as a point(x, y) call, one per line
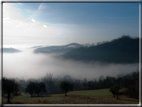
point(35, 62)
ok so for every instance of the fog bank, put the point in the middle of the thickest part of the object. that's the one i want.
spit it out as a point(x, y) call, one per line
point(27, 64)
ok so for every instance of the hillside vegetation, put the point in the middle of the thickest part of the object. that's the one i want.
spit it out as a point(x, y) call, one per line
point(122, 50)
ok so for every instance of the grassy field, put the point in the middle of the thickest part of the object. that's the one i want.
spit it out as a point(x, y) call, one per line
point(102, 96)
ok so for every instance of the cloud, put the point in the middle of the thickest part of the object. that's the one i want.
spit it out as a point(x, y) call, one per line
point(45, 26)
point(18, 30)
point(6, 20)
point(40, 6)
point(65, 25)
point(11, 12)
point(32, 20)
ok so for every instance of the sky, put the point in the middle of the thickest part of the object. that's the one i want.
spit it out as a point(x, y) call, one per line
point(27, 24)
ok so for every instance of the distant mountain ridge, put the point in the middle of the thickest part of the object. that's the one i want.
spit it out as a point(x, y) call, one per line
point(57, 49)
point(122, 50)
point(10, 50)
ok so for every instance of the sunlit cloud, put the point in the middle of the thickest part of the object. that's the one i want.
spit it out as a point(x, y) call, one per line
point(11, 12)
point(32, 20)
point(18, 30)
point(45, 26)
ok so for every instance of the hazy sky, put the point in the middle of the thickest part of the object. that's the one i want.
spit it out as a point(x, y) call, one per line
point(63, 23)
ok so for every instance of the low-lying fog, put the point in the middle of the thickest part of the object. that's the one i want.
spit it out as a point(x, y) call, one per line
point(27, 64)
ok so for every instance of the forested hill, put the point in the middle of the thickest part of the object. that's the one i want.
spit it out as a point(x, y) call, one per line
point(57, 49)
point(10, 50)
point(122, 50)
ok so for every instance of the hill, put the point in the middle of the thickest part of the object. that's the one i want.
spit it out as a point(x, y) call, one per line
point(57, 49)
point(10, 50)
point(122, 50)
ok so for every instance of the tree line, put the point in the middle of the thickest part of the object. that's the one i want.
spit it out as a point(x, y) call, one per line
point(49, 85)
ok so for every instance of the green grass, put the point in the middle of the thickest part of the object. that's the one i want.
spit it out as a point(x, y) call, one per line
point(102, 96)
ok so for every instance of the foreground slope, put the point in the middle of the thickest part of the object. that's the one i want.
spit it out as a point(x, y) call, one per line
point(101, 96)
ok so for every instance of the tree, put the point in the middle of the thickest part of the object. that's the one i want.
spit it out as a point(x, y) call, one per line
point(133, 85)
point(9, 86)
point(115, 90)
point(40, 87)
point(50, 83)
point(67, 78)
point(30, 88)
point(85, 84)
point(34, 87)
point(66, 86)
